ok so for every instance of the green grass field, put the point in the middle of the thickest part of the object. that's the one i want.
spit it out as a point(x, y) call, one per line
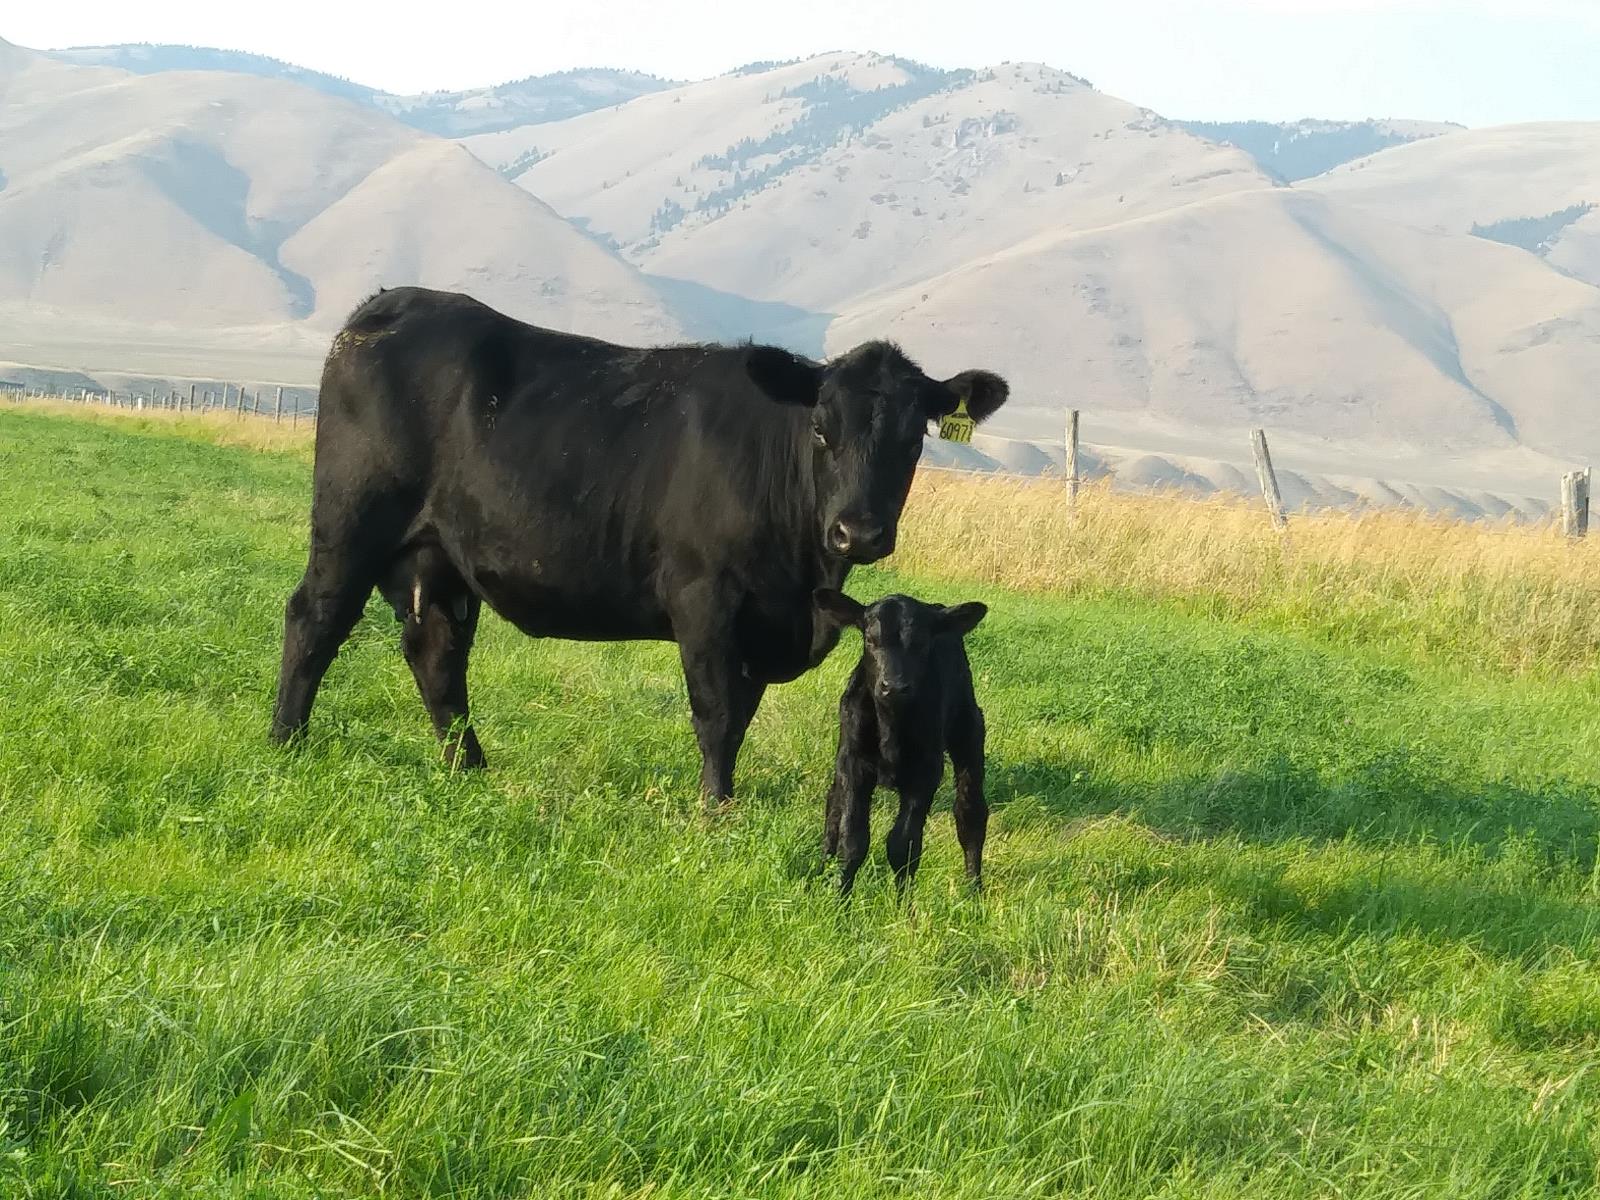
point(1268, 914)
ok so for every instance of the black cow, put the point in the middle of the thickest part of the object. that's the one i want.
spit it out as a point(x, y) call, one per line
point(696, 494)
point(910, 701)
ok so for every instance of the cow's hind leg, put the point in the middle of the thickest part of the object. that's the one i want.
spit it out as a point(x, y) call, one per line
point(439, 616)
point(318, 618)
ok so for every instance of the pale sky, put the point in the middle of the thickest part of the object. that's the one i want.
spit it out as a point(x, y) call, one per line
point(1480, 62)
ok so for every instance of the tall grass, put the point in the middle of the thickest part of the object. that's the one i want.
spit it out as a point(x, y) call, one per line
point(1520, 596)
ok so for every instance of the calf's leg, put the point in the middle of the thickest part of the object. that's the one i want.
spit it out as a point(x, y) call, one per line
point(904, 843)
point(849, 800)
point(855, 810)
point(971, 809)
point(855, 774)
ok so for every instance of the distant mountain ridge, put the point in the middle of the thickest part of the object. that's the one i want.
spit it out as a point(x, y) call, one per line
point(146, 58)
point(526, 101)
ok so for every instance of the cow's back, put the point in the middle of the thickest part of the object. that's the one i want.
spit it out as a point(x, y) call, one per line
point(563, 475)
point(407, 357)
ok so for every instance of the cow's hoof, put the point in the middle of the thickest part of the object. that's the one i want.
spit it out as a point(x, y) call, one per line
point(468, 758)
point(287, 735)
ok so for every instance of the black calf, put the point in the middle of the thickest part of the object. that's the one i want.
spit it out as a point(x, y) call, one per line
point(910, 701)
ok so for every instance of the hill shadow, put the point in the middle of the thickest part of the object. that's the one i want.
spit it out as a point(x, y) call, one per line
point(728, 317)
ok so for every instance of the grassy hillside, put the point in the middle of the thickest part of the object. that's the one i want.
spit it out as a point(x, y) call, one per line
point(1280, 903)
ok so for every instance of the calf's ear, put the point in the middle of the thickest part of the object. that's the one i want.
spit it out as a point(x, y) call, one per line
point(961, 619)
point(983, 391)
point(784, 377)
point(838, 609)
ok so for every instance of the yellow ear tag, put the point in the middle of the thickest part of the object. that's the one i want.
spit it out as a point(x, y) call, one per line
point(958, 426)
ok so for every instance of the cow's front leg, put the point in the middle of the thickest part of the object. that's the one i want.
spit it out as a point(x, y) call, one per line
point(722, 701)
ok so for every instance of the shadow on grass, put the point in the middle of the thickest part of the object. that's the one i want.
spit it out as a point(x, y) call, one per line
point(1491, 866)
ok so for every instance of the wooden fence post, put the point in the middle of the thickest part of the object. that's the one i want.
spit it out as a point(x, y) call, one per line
point(1575, 503)
point(1072, 457)
point(191, 397)
point(1268, 478)
point(277, 407)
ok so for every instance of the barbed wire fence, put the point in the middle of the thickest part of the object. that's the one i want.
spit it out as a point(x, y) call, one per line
point(278, 403)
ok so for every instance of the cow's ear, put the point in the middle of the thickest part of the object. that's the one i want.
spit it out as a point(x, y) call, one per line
point(838, 609)
point(786, 378)
point(984, 392)
point(961, 619)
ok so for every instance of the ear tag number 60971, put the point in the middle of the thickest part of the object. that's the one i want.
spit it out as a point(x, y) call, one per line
point(958, 426)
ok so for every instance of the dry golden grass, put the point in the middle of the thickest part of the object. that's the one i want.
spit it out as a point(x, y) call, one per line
point(219, 428)
point(1516, 595)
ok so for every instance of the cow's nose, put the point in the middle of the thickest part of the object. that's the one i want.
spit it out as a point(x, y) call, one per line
point(892, 687)
point(839, 538)
point(862, 543)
